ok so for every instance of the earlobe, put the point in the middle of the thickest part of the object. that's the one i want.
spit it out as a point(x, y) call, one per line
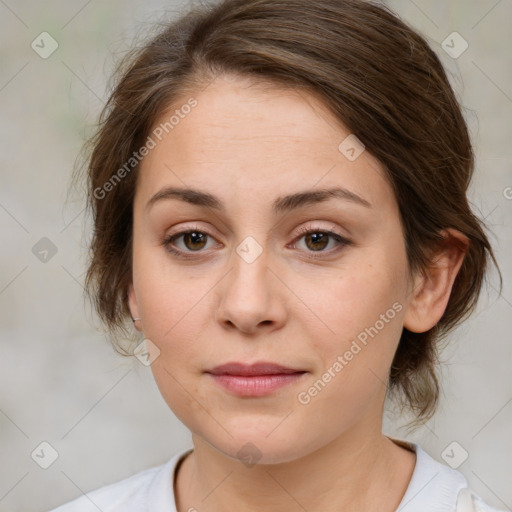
point(433, 288)
point(132, 302)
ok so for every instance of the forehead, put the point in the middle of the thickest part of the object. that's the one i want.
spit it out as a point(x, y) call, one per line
point(257, 141)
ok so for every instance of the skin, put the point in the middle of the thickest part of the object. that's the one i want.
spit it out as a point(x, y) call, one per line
point(295, 306)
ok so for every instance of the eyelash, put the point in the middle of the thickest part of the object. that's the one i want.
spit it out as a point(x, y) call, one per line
point(306, 230)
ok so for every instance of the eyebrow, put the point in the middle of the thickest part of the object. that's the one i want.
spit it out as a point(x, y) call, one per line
point(280, 205)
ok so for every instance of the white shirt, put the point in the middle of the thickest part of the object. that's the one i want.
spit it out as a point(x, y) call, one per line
point(434, 487)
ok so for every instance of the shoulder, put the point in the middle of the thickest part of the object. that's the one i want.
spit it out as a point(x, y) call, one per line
point(435, 487)
point(470, 502)
point(110, 497)
point(151, 489)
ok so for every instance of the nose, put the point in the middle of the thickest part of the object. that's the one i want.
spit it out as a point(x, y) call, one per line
point(251, 298)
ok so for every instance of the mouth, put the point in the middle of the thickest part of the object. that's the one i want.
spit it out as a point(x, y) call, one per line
point(252, 380)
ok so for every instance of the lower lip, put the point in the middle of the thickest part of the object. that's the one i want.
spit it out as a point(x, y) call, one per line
point(257, 385)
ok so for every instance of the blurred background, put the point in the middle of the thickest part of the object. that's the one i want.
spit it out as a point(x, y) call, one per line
point(60, 380)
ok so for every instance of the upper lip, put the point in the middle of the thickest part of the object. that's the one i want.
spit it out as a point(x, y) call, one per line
point(260, 368)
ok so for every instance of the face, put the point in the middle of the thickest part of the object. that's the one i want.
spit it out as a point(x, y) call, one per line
point(318, 285)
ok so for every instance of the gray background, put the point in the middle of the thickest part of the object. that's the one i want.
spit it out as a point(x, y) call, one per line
point(60, 380)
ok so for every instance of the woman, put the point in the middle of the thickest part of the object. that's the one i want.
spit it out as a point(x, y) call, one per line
point(278, 191)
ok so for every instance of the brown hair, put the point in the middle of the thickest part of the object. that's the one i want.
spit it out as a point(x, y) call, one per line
point(378, 76)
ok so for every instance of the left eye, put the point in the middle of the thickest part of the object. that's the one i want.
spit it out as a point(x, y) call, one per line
point(194, 241)
point(317, 240)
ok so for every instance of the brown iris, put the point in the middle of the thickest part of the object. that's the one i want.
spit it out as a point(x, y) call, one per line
point(320, 240)
point(197, 240)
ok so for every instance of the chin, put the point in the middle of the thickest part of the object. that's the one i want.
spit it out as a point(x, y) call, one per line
point(251, 446)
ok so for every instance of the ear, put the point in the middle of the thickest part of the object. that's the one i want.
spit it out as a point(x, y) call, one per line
point(433, 288)
point(132, 302)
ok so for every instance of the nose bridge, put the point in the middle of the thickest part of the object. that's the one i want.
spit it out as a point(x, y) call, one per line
point(248, 296)
point(250, 260)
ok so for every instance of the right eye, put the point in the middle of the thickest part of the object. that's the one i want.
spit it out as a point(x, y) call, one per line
point(193, 241)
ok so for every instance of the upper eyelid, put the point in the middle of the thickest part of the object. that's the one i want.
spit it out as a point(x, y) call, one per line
point(302, 230)
point(311, 228)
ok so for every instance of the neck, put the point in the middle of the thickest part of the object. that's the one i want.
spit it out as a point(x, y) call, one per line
point(355, 472)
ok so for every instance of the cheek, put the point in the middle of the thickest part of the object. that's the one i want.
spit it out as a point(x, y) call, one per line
point(362, 311)
point(169, 303)
point(356, 299)
point(355, 361)
point(180, 393)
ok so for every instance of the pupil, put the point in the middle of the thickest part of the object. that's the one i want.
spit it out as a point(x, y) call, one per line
point(317, 237)
point(194, 236)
